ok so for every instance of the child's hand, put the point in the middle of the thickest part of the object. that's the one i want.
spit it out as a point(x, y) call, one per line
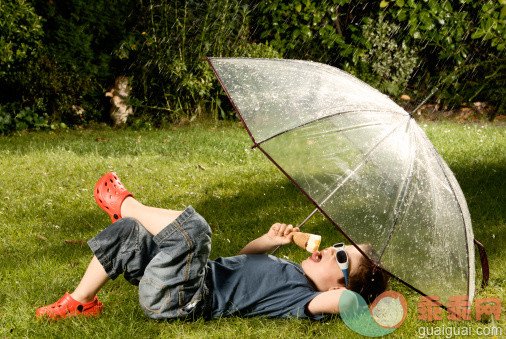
point(281, 234)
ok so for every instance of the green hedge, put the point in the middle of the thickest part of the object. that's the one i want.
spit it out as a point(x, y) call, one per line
point(457, 45)
point(166, 49)
point(58, 58)
point(463, 47)
point(20, 35)
point(20, 42)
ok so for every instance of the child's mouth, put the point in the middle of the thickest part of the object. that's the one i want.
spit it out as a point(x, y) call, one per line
point(316, 256)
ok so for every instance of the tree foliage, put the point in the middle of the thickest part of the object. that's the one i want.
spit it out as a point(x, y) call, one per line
point(166, 49)
point(453, 44)
point(20, 42)
point(20, 35)
point(58, 58)
point(463, 47)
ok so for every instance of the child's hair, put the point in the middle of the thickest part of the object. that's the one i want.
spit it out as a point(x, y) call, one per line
point(366, 281)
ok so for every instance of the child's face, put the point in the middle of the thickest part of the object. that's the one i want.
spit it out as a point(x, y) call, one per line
point(323, 270)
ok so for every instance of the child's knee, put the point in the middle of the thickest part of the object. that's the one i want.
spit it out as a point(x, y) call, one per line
point(129, 230)
point(202, 227)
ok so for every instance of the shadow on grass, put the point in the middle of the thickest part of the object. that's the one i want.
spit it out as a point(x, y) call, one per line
point(62, 249)
point(484, 187)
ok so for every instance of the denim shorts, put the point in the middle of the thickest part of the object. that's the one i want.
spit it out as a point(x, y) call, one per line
point(169, 268)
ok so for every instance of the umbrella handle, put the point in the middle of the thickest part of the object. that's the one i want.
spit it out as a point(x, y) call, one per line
point(299, 225)
point(484, 263)
point(275, 250)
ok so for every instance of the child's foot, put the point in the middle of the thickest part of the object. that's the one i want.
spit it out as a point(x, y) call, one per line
point(69, 307)
point(109, 194)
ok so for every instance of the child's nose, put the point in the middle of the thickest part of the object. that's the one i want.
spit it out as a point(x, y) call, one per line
point(329, 251)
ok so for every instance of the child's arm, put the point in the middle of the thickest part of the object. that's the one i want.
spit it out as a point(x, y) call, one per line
point(328, 302)
point(279, 234)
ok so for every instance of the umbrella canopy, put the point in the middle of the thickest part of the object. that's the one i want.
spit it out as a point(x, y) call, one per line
point(365, 164)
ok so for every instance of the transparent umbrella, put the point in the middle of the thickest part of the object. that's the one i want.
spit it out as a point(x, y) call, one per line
point(364, 163)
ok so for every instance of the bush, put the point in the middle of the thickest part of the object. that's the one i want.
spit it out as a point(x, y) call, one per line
point(20, 34)
point(386, 63)
point(309, 30)
point(63, 64)
point(20, 43)
point(170, 79)
point(65, 71)
point(461, 47)
point(14, 118)
point(159, 46)
point(78, 65)
point(456, 45)
point(352, 36)
point(60, 91)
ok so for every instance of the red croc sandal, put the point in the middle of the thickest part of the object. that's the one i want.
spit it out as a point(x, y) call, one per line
point(69, 307)
point(109, 194)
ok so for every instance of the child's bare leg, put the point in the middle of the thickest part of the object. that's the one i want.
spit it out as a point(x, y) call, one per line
point(115, 199)
point(152, 218)
point(92, 281)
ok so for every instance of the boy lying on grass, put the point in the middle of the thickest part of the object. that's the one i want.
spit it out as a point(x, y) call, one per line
point(165, 253)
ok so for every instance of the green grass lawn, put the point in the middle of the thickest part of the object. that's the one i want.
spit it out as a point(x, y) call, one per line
point(47, 212)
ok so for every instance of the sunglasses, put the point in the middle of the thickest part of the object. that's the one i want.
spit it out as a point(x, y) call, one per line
point(342, 260)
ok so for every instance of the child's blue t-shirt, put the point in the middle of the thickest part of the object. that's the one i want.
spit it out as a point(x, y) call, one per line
point(259, 285)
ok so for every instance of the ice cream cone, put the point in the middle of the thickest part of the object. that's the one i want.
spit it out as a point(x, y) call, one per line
point(300, 239)
point(307, 241)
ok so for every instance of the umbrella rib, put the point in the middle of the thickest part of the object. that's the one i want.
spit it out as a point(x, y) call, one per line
point(438, 159)
point(320, 119)
point(366, 156)
point(363, 154)
point(318, 206)
point(404, 189)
